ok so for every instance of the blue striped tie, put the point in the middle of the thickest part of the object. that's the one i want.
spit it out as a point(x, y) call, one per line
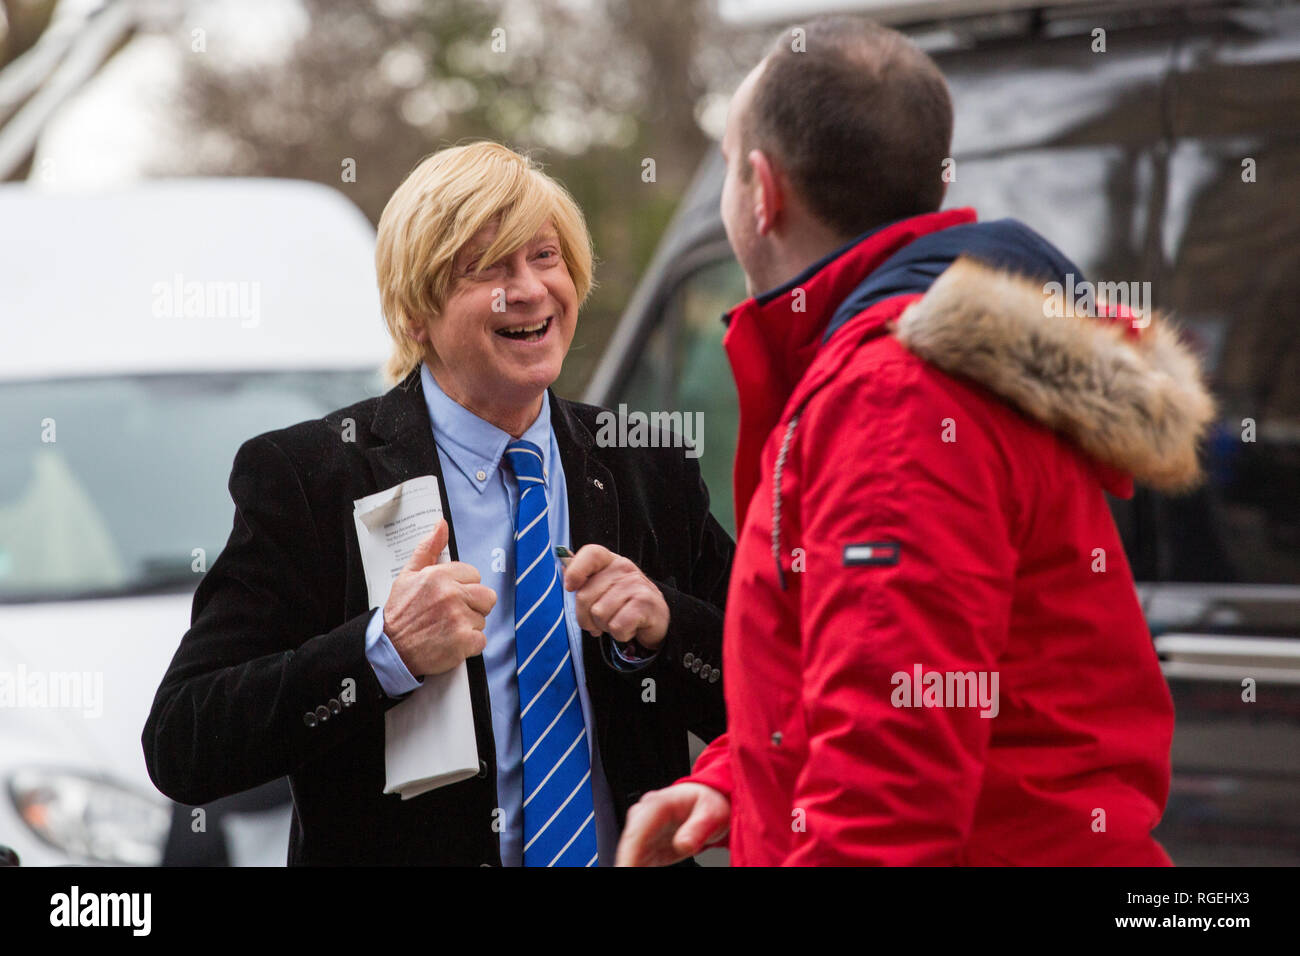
point(559, 819)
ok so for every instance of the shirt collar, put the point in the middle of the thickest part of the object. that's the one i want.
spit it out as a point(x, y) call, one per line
point(476, 446)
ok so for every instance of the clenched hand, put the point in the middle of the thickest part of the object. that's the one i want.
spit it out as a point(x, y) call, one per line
point(436, 613)
point(614, 597)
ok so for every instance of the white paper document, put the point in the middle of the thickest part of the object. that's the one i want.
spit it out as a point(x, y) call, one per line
point(429, 738)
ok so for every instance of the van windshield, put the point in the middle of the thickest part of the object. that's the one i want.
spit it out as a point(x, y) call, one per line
point(116, 486)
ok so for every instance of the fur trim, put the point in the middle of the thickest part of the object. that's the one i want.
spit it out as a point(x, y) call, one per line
point(1138, 405)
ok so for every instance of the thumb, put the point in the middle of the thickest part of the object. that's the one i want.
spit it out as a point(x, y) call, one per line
point(427, 551)
point(701, 826)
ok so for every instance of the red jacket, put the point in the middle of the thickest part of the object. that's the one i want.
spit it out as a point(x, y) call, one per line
point(922, 496)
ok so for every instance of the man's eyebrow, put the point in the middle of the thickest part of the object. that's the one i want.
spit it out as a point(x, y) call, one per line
point(469, 255)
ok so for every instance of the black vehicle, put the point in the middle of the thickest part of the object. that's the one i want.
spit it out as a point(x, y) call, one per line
point(1172, 157)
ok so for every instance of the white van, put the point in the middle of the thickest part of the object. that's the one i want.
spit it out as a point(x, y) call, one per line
point(144, 335)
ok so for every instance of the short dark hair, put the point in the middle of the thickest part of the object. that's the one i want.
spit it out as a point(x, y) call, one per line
point(861, 122)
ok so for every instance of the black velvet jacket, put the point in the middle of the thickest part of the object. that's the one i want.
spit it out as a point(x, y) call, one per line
point(278, 632)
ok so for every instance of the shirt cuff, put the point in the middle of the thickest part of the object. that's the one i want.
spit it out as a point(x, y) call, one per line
point(636, 657)
point(387, 664)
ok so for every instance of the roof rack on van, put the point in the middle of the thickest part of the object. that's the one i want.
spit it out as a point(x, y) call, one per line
point(906, 12)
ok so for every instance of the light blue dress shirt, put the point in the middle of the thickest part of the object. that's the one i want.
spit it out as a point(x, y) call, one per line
point(482, 496)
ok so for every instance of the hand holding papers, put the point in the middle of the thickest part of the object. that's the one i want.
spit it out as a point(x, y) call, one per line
point(429, 738)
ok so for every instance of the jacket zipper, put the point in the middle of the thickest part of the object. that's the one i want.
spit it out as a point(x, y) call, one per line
point(784, 451)
point(776, 495)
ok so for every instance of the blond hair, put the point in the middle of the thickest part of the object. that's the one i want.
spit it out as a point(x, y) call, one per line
point(439, 207)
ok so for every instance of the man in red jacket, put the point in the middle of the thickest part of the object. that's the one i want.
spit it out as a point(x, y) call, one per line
point(933, 651)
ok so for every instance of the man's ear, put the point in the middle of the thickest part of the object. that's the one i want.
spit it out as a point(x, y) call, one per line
point(417, 329)
point(768, 198)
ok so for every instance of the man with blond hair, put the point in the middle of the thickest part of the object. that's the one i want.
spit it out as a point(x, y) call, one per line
point(584, 679)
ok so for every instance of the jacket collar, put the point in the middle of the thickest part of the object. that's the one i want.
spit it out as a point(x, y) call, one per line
point(401, 423)
point(593, 496)
point(405, 446)
point(771, 339)
point(791, 318)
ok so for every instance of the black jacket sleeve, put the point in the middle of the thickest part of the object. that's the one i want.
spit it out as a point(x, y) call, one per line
point(239, 703)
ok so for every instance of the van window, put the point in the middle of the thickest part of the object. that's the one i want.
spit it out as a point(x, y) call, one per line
point(117, 485)
point(684, 368)
point(1232, 260)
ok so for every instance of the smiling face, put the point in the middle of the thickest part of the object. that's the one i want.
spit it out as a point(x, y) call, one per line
point(504, 329)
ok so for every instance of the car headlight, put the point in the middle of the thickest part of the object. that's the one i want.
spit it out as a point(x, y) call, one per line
point(92, 818)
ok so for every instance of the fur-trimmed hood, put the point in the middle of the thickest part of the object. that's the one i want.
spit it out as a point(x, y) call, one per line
point(1134, 403)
